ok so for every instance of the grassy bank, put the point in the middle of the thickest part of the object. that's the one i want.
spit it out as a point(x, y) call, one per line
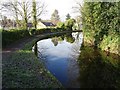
point(23, 70)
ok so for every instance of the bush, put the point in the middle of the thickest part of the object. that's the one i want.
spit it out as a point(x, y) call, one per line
point(100, 20)
point(12, 36)
point(48, 30)
point(69, 24)
point(61, 25)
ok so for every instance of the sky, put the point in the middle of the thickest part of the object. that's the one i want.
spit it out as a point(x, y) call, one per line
point(63, 6)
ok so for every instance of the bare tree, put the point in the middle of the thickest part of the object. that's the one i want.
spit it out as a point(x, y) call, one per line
point(24, 10)
point(3, 21)
point(18, 9)
point(79, 9)
point(11, 7)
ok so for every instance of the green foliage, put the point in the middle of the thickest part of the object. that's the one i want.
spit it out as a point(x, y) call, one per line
point(111, 41)
point(12, 36)
point(34, 12)
point(68, 16)
point(60, 25)
point(69, 24)
point(23, 70)
point(47, 30)
point(100, 19)
point(70, 39)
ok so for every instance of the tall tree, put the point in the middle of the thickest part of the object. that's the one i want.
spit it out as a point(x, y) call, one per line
point(34, 14)
point(24, 10)
point(19, 9)
point(4, 21)
point(11, 6)
point(68, 16)
point(38, 8)
point(24, 6)
point(101, 22)
point(55, 17)
point(69, 24)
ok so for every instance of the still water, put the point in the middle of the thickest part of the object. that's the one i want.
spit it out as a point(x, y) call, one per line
point(76, 66)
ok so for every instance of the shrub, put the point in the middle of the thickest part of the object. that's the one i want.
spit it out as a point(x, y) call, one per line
point(12, 36)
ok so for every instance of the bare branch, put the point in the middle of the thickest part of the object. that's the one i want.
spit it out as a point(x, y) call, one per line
point(41, 9)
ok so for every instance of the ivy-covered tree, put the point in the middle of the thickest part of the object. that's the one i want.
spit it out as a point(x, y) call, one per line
point(101, 24)
point(100, 19)
point(38, 8)
point(34, 12)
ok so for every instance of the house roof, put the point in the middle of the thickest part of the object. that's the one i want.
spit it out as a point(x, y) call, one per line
point(29, 24)
point(48, 23)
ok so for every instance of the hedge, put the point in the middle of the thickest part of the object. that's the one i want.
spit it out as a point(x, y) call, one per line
point(12, 36)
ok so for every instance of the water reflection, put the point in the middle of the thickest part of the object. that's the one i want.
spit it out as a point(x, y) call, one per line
point(68, 37)
point(75, 66)
point(97, 70)
point(57, 53)
point(55, 41)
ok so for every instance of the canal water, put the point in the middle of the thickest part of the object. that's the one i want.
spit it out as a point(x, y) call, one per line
point(76, 66)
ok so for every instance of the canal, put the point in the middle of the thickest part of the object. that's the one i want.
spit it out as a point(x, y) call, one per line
point(77, 66)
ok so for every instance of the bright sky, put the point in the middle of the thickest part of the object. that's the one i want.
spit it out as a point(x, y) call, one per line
point(63, 6)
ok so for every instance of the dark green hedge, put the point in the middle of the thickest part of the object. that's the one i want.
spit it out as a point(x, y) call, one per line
point(100, 19)
point(12, 36)
point(48, 30)
point(101, 25)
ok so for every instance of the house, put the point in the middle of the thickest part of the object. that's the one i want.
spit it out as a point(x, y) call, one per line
point(45, 24)
point(29, 25)
point(8, 24)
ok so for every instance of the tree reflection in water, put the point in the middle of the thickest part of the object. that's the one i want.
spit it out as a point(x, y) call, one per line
point(97, 70)
point(55, 41)
point(68, 37)
point(77, 66)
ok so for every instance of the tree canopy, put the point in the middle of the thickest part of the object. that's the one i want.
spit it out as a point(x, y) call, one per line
point(101, 25)
point(55, 17)
point(69, 24)
point(68, 16)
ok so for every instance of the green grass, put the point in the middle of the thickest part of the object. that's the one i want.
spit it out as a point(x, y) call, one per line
point(23, 69)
